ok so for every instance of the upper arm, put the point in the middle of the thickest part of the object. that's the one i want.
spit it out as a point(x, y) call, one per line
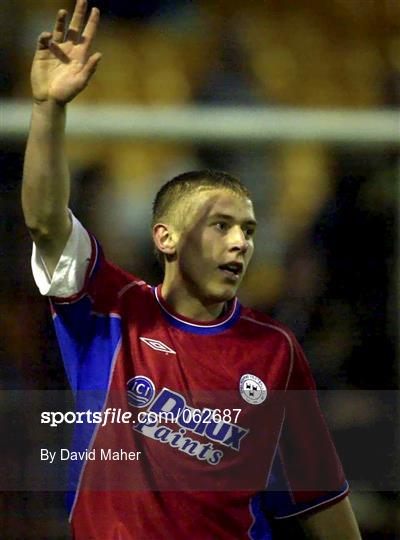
point(63, 274)
point(337, 522)
point(51, 243)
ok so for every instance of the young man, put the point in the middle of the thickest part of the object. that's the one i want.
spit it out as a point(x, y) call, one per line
point(245, 439)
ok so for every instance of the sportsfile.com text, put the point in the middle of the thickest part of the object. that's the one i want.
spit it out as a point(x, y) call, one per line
point(117, 416)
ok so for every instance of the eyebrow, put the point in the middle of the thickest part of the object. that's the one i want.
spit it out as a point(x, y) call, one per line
point(231, 218)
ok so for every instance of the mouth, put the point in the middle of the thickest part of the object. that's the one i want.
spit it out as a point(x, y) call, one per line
point(232, 270)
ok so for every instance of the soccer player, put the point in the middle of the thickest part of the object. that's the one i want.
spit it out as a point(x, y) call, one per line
point(246, 441)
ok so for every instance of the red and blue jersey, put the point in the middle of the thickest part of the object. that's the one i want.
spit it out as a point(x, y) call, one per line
point(266, 455)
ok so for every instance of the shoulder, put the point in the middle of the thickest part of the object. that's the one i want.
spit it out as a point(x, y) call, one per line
point(110, 282)
point(281, 336)
point(264, 325)
point(274, 339)
point(105, 284)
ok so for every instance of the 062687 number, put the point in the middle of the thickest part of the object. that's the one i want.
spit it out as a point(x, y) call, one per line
point(211, 415)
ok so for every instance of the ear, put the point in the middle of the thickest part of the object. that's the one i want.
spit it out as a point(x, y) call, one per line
point(165, 238)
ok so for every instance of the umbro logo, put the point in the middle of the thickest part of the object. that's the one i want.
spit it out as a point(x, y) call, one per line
point(157, 345)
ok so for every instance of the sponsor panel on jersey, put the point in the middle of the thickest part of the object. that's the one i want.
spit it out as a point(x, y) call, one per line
point(173, 406)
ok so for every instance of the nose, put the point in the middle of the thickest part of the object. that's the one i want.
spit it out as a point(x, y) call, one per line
point(239, 242)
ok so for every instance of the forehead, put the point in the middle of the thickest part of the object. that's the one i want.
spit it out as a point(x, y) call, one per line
point(221, 202)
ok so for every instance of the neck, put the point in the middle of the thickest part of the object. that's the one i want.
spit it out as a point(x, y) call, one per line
point(187, 304)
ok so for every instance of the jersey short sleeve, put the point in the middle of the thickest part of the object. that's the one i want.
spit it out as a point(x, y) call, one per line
point(307, 473)
point(69, 275)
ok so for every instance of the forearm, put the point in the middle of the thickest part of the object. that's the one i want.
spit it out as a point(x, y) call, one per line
point(334, 523)
point(46, 181)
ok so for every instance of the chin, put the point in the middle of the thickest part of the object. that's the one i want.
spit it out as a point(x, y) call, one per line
point(222, 295)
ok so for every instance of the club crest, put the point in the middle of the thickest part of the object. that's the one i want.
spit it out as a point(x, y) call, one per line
point(252, 389)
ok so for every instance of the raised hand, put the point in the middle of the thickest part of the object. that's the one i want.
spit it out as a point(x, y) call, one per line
point(63, 65)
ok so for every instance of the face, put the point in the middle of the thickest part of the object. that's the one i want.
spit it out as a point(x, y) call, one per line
point(215, 244)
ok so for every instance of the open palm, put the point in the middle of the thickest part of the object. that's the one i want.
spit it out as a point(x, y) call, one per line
point(63, 65)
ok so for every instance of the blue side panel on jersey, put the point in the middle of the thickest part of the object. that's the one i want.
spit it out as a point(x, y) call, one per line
point(277, 499)
point(88, 343)
point(260, 530)
point(71, 324)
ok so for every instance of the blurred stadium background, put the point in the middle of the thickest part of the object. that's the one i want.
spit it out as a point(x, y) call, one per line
point(326, 198)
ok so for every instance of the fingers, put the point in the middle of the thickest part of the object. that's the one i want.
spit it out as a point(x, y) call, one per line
point(59, 27)
point(91, 65)
point(91, 26)
point(44, 41)
point(76, 24)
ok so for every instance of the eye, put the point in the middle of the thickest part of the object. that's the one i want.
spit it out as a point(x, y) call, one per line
point(222, 226)
point(249, 232)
